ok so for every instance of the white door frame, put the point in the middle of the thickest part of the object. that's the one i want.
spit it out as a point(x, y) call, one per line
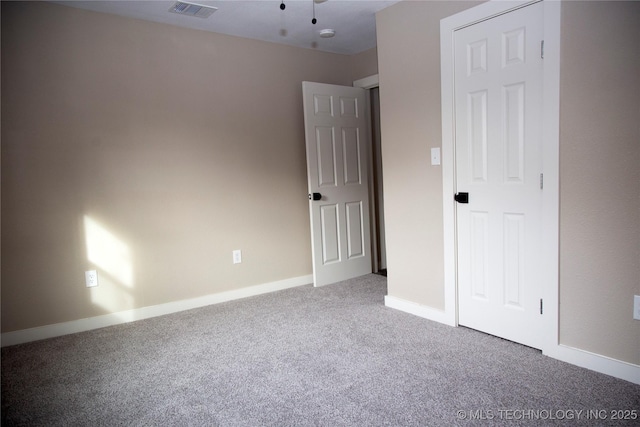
point(550, 156)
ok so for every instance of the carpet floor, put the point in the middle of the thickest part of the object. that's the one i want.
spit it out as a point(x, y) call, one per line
point(330, 356)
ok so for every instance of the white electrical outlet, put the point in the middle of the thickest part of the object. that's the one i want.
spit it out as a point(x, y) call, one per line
point(91, 278)
point(636, 307)
point(237, 256)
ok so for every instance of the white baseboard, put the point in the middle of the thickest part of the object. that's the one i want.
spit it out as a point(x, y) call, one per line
point(596, 362)
point(584, 359)
point(419, 310)
point(81, 325)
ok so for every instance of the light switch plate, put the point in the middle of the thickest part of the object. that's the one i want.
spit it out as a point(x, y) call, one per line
point(435, 156)
point(636, 307)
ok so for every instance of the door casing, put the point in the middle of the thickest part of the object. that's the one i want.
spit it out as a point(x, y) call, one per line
point(550, 157)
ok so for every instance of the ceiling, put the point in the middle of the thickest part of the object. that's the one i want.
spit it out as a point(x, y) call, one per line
point(352, 20)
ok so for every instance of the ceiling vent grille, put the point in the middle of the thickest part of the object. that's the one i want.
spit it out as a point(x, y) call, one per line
point(192, 9)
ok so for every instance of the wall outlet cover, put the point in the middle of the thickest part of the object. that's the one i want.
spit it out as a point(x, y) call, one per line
point(91, 278)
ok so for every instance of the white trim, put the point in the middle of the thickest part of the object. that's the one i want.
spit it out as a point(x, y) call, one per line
point(81, 325)
point(448, 172)
point(418, 310)
point(596, 362)
point(550, 267)
point(367, 82)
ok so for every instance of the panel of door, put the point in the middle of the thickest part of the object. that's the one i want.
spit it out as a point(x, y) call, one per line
point(498, 150)
point(336, 142)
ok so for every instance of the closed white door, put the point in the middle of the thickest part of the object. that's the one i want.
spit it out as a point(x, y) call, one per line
point(336, 135)
point(498, 150)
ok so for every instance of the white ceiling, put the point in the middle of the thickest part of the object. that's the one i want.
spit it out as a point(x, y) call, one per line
point(352, 20)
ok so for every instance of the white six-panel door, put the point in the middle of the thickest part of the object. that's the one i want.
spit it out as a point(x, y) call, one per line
point(498, 151)
point(336, 135)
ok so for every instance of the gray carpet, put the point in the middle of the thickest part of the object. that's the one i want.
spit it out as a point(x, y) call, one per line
point(332, 356)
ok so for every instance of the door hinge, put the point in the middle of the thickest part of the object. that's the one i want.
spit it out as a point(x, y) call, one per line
point(541, 181)
point(542, 49)
point(541, 307)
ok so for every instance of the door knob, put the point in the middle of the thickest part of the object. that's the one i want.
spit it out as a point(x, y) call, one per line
point(461, 197)
point(315, 196)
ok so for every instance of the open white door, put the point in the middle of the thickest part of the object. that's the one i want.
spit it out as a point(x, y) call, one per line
point(337, 168)
point(498, 151)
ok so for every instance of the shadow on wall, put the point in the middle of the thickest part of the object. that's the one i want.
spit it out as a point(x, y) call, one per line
point(112, 258)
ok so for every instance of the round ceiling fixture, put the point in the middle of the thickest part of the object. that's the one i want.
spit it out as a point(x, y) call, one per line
point(327, 33)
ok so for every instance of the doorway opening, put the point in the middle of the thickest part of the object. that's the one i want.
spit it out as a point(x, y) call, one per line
point(377, 201)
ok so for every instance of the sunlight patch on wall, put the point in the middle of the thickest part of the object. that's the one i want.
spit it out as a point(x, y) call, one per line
point(112, 256)
point(112, 297)
point(108, 252)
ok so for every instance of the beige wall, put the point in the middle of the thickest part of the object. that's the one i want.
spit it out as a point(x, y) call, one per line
point(364, 64)
point(149, 152)
point(409, 69)
point(600, 176)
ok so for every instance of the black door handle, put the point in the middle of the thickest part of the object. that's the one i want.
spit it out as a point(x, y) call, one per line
point(461, 197)
point(315, 196)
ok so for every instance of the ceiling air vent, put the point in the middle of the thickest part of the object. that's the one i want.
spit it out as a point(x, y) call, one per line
point(192, 9)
